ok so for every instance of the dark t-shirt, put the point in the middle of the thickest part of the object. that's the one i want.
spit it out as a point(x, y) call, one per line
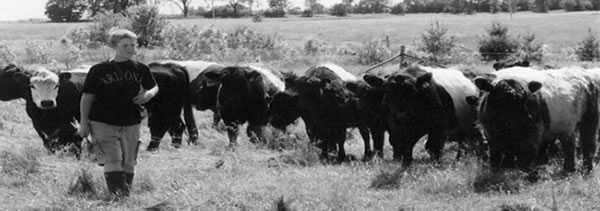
point(114, 85)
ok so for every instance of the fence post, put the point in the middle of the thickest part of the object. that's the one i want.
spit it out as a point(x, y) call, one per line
point(402, 54)
point(387, 41)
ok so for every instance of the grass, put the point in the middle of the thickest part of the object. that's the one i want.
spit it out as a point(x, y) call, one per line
point(286, 175)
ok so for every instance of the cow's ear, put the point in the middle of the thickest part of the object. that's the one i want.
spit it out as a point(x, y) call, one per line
point(483, 84)
point(424, 81)
point(64, 76)
point(373, 80)
point(472, 100)
point(497, 66)
point(534, 86)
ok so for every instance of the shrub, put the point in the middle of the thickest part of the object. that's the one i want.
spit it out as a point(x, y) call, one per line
point(147, 24)
point(65, 10)
point(529, 49)
point(193, 42)
point(437, 43)
point(398, 9)
point(498, 44)
point(98, 32)
point(274, 13)
point(339, 10)
point(7, 55)
point(372, 52)
point(38, 52)
point(589, 48)
point(67, 54)
point(577, 5)
point(295, 11)
point(307, 13)
point(313, 46)
point(371, 6)
point(257, 18)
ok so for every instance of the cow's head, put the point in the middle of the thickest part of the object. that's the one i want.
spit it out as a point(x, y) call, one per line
point(203, 90)
point(13, 83)
point(44, 86)
point(238, 86)
point(510, 110)
point(301, 95)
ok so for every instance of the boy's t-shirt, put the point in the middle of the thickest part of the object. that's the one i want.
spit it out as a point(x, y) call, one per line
point(114, 85)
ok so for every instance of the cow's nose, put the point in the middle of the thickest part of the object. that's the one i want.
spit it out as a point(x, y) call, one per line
point(47, 103)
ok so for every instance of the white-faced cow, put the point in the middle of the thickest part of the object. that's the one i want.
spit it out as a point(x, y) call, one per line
point(523, 109)
point(52, 103)
point(427, 101)
point(244, 94)
point(327, 107)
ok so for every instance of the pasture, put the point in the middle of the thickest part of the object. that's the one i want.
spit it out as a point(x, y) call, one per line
point(253, 177)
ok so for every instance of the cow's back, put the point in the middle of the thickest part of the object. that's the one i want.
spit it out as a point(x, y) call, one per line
point(272, 80)
point(330, 71)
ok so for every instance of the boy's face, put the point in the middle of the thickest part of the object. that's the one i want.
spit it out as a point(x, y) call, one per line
point(126, 47)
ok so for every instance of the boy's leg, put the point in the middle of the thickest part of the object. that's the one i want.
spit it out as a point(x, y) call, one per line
point(109, 143)
point(130, 145)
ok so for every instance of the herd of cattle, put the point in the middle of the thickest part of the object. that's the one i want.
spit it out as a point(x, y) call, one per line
point(512, 116)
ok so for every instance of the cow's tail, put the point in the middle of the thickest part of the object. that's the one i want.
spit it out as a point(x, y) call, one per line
point(188, 113)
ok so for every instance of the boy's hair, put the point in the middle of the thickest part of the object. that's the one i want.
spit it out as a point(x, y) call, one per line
point(116, 35)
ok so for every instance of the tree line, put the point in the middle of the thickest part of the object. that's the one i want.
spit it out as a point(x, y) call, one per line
point(75, 10)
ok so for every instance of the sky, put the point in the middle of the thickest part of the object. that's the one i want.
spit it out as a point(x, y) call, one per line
point(11, 10)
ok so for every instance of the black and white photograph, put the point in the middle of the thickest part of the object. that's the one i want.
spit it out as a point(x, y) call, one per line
point(292, 105)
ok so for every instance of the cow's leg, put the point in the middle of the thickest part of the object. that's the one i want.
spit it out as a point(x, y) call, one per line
point(176, 132)
point(527, 152)
point(158, 128)
point(568, 145)
point(378, 136)
point(364, 133)
point(232, 133)
point(216, 119)
point(255, 133)
point(339, 138)
point(435, 144)
point(588, 132)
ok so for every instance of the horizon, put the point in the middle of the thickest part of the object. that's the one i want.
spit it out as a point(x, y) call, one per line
point(15, 11)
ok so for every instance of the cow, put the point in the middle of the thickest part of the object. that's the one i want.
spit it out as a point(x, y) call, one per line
point(523, 110)
point(244, 94)
point(427, 101)
point(164, 110)
point(327, 107)
point(51, 101)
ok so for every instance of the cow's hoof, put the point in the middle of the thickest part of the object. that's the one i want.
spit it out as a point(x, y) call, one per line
point(153, 146)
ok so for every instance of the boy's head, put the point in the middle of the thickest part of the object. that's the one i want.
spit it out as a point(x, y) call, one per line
point(123, 41)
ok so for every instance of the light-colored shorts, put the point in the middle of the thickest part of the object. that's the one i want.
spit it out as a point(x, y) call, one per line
point(117, 145)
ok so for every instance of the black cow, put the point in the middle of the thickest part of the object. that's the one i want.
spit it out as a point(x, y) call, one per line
point(52, 103)
point(164, 110)
point(244, 94)
point(426, 101)
point(326, 106)
point(523, 110)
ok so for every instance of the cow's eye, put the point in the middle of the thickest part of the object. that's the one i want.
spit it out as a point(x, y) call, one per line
point(32, 86)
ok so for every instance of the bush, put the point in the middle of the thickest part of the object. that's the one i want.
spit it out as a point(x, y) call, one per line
point(497, 45)
point(339, 10)
point(540, 6)
point(307, 13)
point(437, 43)
point(529, 49)
point(589, 48)
point(398, 9)
point(98, 32)
point(65, 10)
point(147, 24)
point(577, 5)
point(372, 52)
point(313, 46)
point(38, 52)
point(274, 13)
point(7, 55)
point(193, 42)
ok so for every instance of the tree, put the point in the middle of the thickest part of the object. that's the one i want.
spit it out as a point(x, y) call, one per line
point(236, 5)
point(65, 10)
point(278, 4)
point(371, 6)
point(184, 6)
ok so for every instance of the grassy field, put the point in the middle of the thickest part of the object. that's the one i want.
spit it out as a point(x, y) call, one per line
point(211, 177)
